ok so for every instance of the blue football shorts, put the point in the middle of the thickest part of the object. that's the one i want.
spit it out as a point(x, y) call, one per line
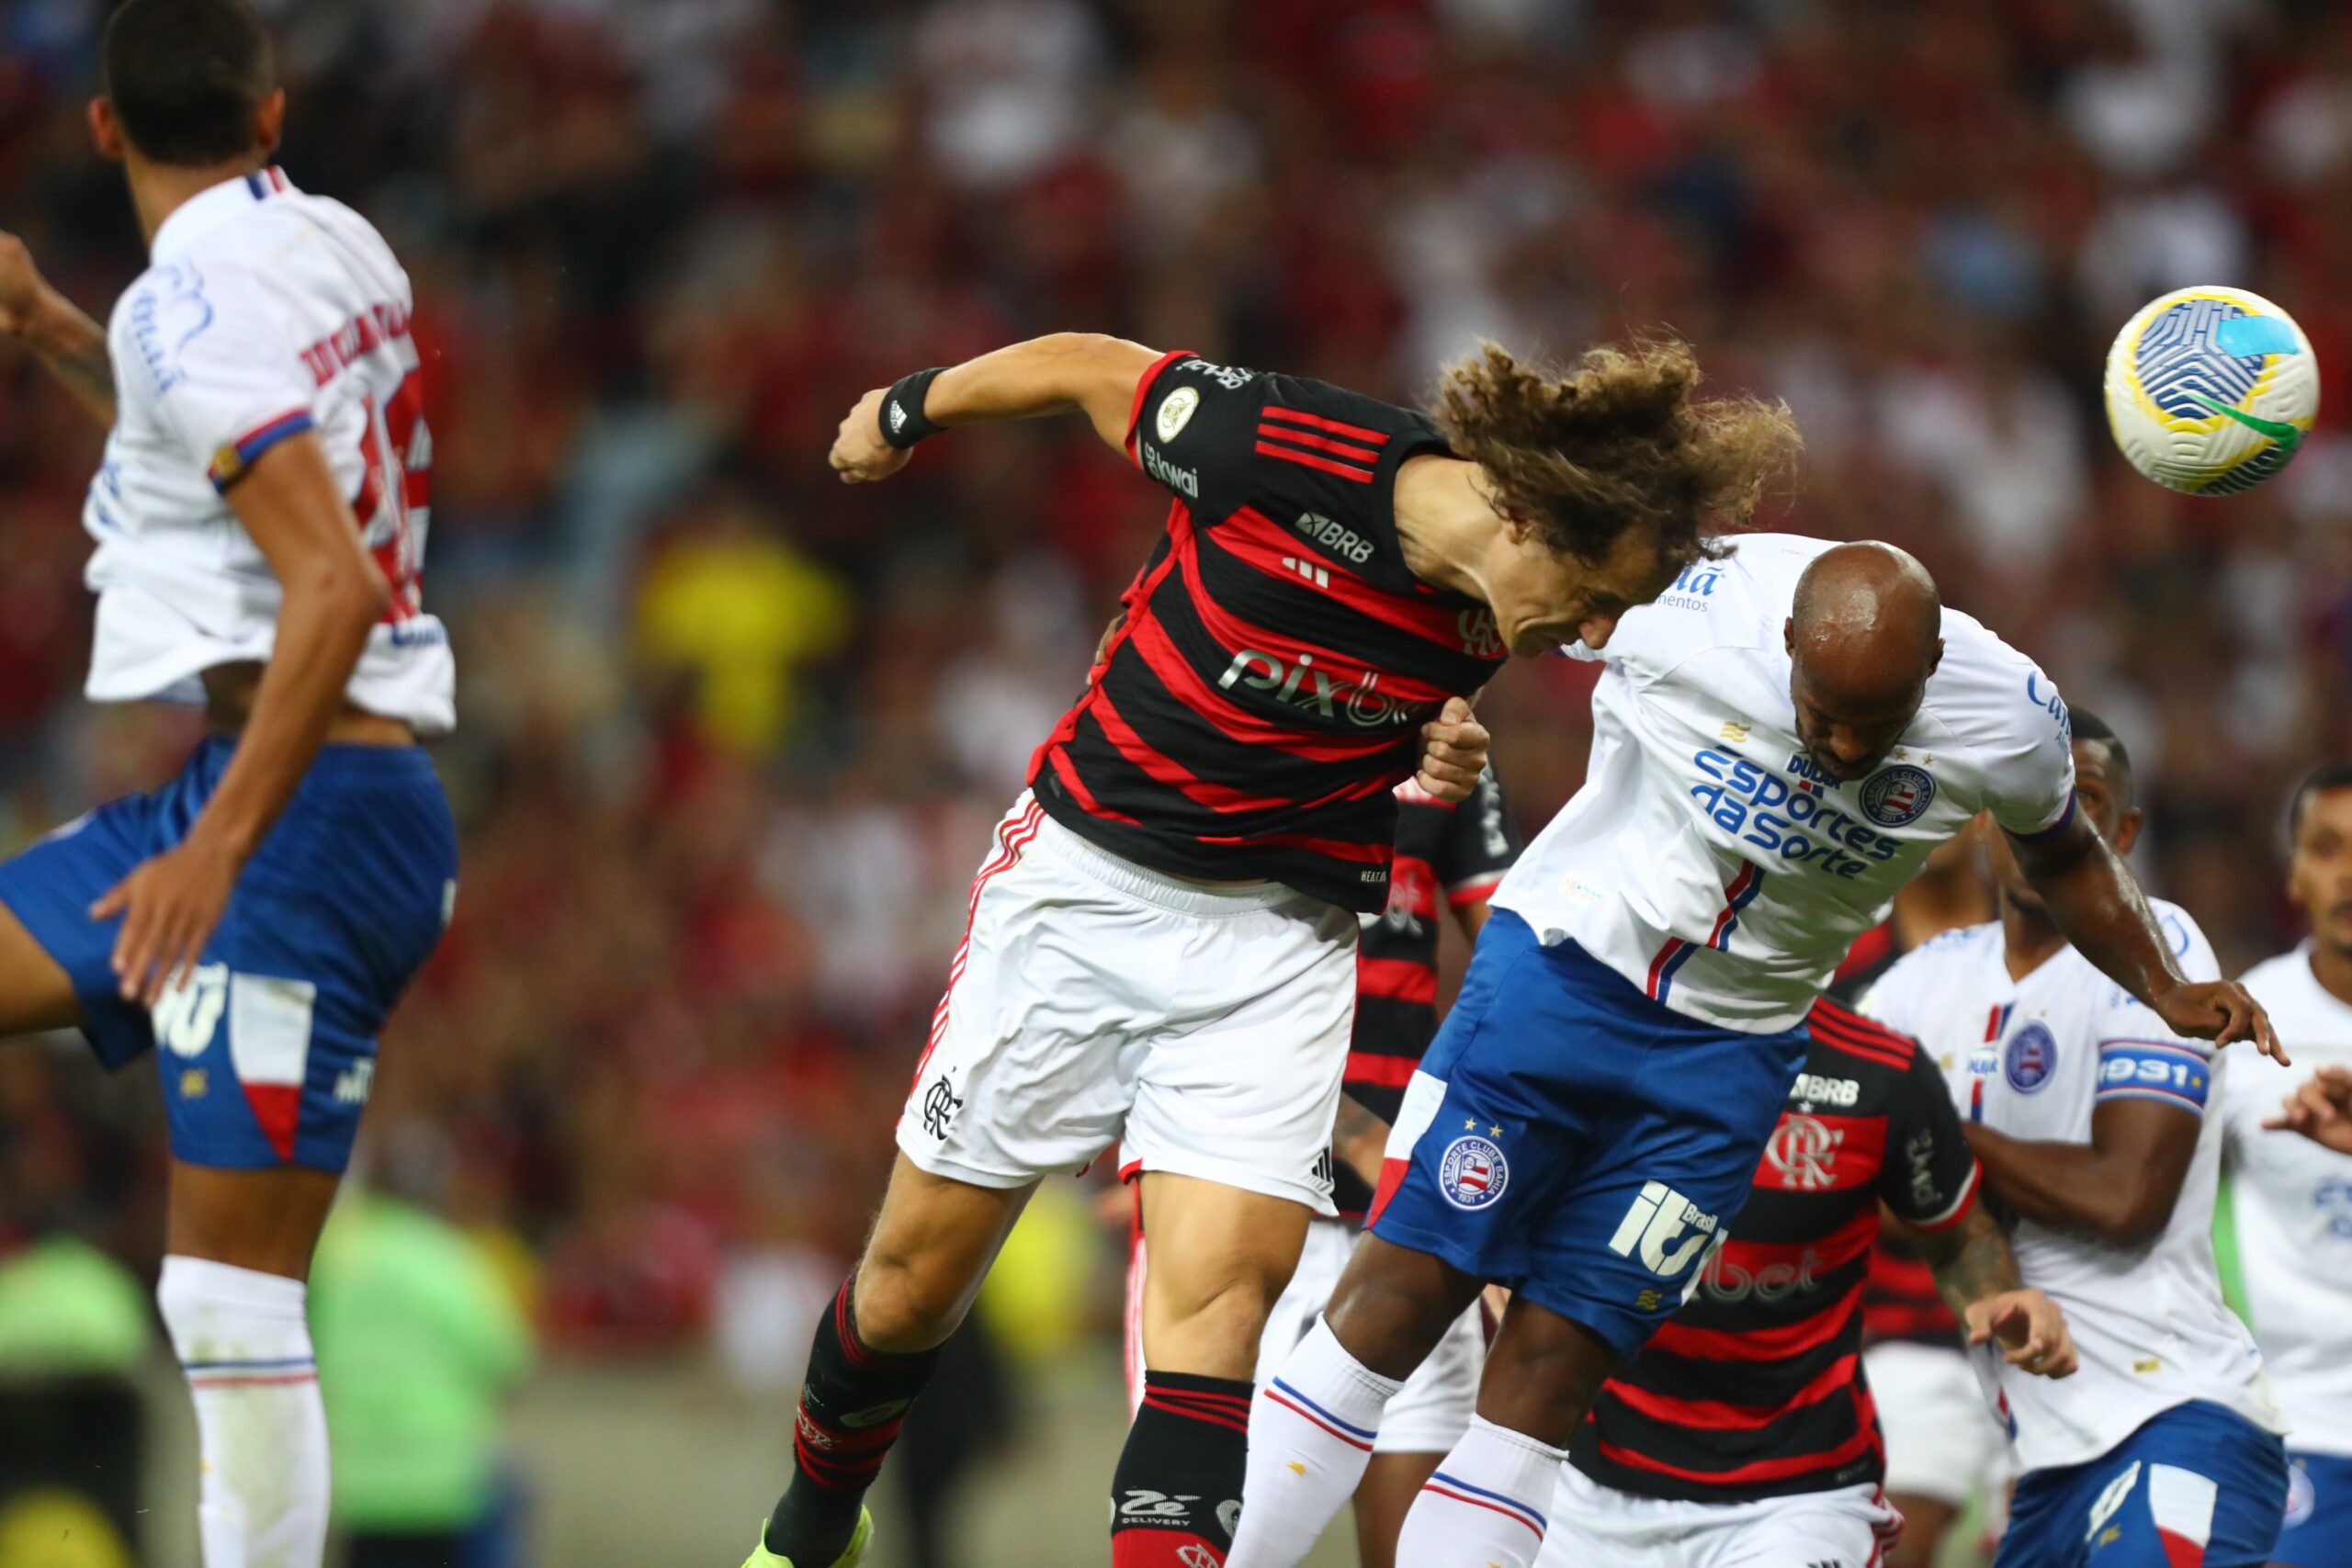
point(268, 1051)
point(1574, 1140)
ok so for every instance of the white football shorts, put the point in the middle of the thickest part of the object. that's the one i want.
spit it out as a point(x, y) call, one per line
point(1593, 1525)
point(1941, 1440)
point(1094, 1002)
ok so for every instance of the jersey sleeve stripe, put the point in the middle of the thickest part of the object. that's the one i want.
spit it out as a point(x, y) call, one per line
point(1366, 456)
point(1477, 890)
point(2042, 835)
point(236, 459)
point(1308, 459)
point(1143, 389)
point(1959, 1206)
point(1318, 422)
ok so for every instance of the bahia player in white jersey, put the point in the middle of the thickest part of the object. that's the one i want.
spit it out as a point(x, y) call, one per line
point(2089, 1113)
point(2292, 1198)
point(259, 521)
point(1780, 740)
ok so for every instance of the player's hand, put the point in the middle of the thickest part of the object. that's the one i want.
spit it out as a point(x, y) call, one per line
point(2031, 1330)
point(1454, 752)
point(2321, 1110)
point(169, 905)
point(22, 287)
point(2220, 1010)
point(860, 455)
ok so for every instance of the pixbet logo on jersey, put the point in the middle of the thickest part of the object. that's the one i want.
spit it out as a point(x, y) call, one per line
point(1797, 821)
point(1303, 685)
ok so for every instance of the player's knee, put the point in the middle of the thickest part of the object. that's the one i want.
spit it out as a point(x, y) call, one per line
point(906, 1301)
point(1212, 1315)
point(1390, 1320)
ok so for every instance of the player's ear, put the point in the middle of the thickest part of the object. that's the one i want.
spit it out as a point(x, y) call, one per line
point(1789, 636)
point(2127, 833)
point(106, 131)
point(269, 120)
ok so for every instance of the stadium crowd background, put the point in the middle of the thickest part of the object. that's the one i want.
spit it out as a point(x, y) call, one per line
point(732, 736)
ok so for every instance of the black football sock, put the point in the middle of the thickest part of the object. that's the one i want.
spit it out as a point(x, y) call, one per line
point(851, 1408)
point(1177, 1493)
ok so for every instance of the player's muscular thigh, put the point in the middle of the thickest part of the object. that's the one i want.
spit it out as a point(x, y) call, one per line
point(932, 1247)
point(35, 994)
point(1219, 1258)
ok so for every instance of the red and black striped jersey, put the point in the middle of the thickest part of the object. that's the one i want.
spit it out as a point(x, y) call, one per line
point(1899, 1299)
point(1754, 1388)
point(1448, 856)
point(1265, 688)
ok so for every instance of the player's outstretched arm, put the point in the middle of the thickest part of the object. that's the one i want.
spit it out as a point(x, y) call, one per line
point(2119, 1188)
point(2097, 902)
point(72, 345)
point(1059, 373)
point(291, 505)
point(1977, 1273)
point(2320, 1108)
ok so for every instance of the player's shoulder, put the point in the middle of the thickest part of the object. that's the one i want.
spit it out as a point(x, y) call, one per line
point(1985, 693)
point(1937, 964)
point(1845, 1035)
point(171, 314)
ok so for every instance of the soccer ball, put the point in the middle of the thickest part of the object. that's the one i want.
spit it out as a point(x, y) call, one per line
point(2211, 389)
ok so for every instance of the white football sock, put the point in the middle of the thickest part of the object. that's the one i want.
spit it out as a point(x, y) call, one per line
point(245, 1344)
point(1310, 1436)
point(1479, 1510)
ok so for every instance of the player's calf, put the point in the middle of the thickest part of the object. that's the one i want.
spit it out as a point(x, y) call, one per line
point(876, 1349)
point(1220, 1258)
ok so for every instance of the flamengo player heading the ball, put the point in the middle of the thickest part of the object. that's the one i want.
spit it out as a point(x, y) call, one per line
point(260, 522)
point(1779, 742)
point(1161, 951)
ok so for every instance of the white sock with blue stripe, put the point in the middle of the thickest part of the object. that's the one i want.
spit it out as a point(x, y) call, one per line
point(1310, 1436)
point(245, 1341)
point(1484, 1508)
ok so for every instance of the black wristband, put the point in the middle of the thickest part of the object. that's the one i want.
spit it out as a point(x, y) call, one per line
point(904, 421)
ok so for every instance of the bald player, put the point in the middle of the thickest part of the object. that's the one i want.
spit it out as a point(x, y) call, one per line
point(1779, 742)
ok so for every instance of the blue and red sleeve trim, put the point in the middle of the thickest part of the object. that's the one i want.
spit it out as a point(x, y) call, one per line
point(235, 458)
point(2043, 835)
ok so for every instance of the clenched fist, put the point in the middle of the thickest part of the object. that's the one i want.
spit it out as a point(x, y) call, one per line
point(860, 455)
point(1454, 752)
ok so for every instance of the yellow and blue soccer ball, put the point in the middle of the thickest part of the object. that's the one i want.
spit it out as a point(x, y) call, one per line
point(2209, 390)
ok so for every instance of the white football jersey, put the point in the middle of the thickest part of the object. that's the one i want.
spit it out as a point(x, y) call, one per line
point(2033, 1058)
point(2293, 1200)
point(1708, 859)
point(265, 312)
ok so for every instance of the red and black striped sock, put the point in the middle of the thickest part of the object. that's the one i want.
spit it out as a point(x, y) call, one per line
point(851, 1405)
point(1177, 1493)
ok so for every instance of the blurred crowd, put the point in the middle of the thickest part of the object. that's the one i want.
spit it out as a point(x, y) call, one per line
point(733, 736)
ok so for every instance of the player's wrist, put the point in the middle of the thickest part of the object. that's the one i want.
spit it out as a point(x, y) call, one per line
point(902, 418)
point(52, 325)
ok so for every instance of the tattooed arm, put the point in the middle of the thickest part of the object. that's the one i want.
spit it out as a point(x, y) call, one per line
point(72, 345)
point(1977, 1275)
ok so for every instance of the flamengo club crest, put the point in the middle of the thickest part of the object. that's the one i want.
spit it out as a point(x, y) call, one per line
point(1473, 1172)
point(1803, 1150)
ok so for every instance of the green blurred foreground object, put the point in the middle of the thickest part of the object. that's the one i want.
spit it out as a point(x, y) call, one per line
point(418, 1341)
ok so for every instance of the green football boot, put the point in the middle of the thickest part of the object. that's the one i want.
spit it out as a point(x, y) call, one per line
point(850, 1555)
